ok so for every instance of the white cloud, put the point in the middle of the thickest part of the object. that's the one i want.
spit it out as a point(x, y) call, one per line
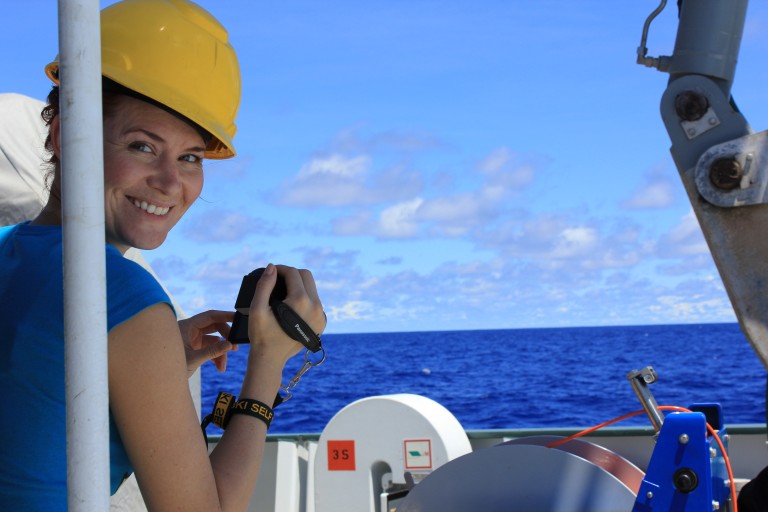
point(358, 223)
point(684, 240)
point(327, 257)
point(196, 304)
point(575, 241)
point(505, 172)
point(450, 215)
point(657, 191)
point(399, 221)
point(232, 269)
point(517, 293)
point(495, 161)
point(352, 310)
point(336, 165)
point(697, 308)
point(344, 174)
point(223, 225)
point(463, 208)
point(556, 241)
point(652, 195)
point(339, 181)
point(582, 287)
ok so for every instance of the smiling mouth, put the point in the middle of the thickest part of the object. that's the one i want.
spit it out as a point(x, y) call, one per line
point(151, 208)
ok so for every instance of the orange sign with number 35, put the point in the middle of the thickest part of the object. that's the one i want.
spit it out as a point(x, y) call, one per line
point(341, 455)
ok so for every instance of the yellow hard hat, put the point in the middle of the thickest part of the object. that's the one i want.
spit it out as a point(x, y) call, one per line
point(177, 54)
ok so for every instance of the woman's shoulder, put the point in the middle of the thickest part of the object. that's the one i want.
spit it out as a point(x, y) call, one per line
point(128, 274)
point(130, 288)
point(32, 231)
point(28, 241)
point(7, 232)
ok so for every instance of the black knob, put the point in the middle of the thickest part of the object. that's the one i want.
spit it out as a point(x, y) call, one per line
point(685, 480)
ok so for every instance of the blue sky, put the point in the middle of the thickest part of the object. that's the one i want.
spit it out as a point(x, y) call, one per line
point(444, 165)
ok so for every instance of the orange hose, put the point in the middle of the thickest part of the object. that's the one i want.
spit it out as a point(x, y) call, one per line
point(662, 408)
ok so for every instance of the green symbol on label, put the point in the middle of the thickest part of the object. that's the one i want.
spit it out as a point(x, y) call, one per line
point(414, 453)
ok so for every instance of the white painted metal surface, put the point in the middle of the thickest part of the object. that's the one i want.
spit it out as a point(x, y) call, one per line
point(85, 309)
point(371, 443)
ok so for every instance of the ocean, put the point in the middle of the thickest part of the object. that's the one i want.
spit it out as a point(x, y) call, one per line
point(520, 378)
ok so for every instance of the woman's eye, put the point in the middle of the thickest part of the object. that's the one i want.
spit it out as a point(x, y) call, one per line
point(192, 159)
point(141, 146)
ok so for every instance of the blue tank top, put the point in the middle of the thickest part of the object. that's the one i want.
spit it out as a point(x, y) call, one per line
point(33, 429)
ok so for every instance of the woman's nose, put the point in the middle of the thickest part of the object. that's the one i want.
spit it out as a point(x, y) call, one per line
point(167, 176)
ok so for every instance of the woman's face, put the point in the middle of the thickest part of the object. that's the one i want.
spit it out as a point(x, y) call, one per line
point(153, 172)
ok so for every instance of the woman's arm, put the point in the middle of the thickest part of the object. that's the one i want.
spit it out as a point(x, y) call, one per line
point(234, 453)
point(150, 401)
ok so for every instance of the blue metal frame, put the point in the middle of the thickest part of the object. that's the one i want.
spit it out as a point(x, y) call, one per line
point(687, 469)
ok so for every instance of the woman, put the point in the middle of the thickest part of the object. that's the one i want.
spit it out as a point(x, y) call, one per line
point(171, 92)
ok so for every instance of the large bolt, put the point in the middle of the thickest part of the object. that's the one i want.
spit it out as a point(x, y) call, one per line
point(726, 173)
point(691, 106)
point(685, 480)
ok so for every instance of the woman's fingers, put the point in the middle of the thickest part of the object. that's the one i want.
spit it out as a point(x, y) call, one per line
point(264, 287)
point(302, 297)
point(293, 281)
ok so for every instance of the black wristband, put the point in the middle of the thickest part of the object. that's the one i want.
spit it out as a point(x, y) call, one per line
point(226, 405)
point(254, 408)
point(222, 409)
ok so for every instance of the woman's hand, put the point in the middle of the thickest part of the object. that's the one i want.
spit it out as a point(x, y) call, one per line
point(200, 346)
point(265, 333)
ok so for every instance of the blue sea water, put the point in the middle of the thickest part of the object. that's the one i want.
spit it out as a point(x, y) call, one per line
point(520, 378)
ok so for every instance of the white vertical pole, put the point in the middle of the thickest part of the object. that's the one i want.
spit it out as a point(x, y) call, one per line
point(85, 312)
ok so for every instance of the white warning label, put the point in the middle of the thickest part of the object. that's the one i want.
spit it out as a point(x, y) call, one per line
point(418, 453)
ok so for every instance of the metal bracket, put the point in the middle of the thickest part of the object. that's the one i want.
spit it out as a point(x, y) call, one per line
point(735, 173)
point(640, 379)
point(687, 469)
point(695, 128)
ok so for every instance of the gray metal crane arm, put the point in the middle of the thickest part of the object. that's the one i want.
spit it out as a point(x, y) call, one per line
point(722, 163)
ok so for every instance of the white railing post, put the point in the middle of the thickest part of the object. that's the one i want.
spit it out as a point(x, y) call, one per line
point(85, 312)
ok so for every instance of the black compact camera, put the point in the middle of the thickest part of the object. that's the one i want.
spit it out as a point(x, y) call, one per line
point(238, 333)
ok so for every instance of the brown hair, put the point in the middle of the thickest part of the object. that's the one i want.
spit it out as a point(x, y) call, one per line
point(50, 111)
point(48, 114)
